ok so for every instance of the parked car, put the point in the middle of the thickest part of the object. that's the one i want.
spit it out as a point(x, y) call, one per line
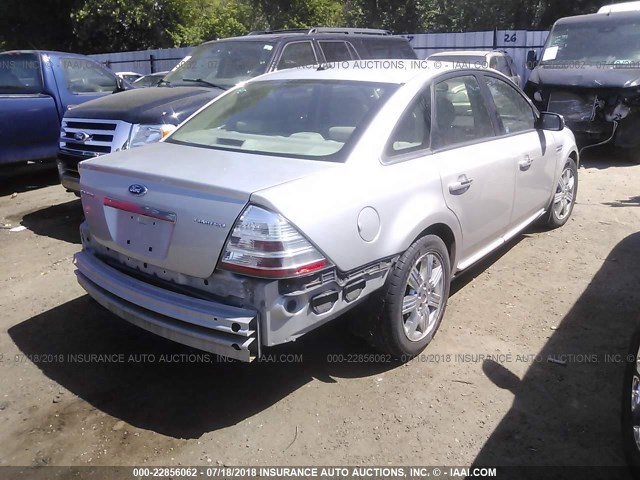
point(151, 80)
point(36, 88)
point(304, 192)
point(129, 76)
point(589, 72)
point(497, 59)
point(145, 116)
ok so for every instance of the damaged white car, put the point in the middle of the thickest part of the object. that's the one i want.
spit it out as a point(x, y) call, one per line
point(296, 196)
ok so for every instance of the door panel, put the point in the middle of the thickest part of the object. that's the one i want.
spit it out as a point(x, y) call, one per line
point(478, 185)
point(476, 172)
point(533, 151)
point(534, 161)
point(29, 128)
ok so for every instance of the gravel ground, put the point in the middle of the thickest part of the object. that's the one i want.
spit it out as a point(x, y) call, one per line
point(484, 391)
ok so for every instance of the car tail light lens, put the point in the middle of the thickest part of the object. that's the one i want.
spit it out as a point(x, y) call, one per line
point(265, 244)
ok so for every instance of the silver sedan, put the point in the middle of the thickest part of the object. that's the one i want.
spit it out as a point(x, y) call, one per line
point(300, 194)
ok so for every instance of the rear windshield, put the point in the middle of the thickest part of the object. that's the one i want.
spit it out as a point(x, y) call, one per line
point(313, 119)
point(463, 61)
point(20, 73)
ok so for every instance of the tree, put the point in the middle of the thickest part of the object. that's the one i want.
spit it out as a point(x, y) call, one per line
point(34, 24)
point(211, 19)
point(279, 14)
point(118, 25)
point(92, 26)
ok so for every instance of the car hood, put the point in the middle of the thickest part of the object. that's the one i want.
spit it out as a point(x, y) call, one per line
point(586, 76)
point(149, 105)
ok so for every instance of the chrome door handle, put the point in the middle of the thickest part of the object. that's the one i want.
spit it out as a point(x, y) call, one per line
point(461, 186)
point(525, 163)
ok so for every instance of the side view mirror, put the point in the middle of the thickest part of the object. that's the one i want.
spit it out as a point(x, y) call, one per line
point(551, 121)
point(532, 60)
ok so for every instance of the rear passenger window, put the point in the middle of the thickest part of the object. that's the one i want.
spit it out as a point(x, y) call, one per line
point(460, 113)
point(20, 73)
point(514, 112)
point(390, 48)
point(336, 51)
point(414, 128)
point(297, 54)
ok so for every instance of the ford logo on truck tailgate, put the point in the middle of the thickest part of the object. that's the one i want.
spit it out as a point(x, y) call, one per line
point(137, 189)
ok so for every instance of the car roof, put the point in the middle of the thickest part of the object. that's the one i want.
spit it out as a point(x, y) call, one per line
point(599, 17)
point(452, 53)
point(397, 71)
point(620, 7)
point(304, 35)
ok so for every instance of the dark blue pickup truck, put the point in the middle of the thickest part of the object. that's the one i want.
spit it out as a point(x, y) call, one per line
point(36, 89)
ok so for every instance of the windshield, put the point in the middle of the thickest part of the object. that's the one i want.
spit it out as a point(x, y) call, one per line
point(311, 119)
point(609, 40)
point(222, 64)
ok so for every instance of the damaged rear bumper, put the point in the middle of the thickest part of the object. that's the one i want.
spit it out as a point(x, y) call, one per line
point(206, 325)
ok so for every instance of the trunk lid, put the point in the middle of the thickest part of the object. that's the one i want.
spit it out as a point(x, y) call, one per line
point(174, 206)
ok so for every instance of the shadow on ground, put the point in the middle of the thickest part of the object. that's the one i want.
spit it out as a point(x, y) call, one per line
point(27, 179)
point(61, 221)
point(604, 157)
point(629, 202)
point(186, 398)
point(567, 411)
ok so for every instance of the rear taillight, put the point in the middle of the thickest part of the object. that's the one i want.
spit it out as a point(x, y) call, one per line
point(265, 244)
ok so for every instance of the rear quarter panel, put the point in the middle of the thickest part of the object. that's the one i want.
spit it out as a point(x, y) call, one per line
point(326, 207)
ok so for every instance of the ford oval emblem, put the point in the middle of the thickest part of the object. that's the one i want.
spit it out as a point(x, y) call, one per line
point(81, 137)
point(137, 189)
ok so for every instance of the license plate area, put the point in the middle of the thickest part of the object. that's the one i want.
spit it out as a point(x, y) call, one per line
point(138, 229)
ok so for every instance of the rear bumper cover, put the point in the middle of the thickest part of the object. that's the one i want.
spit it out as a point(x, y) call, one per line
point(203, 324)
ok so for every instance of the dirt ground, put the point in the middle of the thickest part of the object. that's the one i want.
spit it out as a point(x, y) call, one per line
point(484, 391)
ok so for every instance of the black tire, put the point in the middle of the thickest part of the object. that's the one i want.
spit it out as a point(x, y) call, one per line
point(388, 334)
point(553, 219)
point(630, 418)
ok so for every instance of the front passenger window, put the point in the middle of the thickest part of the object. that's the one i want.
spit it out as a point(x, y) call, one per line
point(460, 113)
point(86, 76)
point(514, 112)
point(499, 63)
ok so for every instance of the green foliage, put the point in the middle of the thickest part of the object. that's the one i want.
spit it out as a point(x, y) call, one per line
point(92, 26)
point(281, 14)
point(209, 20)
point(117, 25)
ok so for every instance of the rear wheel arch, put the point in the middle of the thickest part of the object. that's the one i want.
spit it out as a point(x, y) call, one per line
point(445, 234)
